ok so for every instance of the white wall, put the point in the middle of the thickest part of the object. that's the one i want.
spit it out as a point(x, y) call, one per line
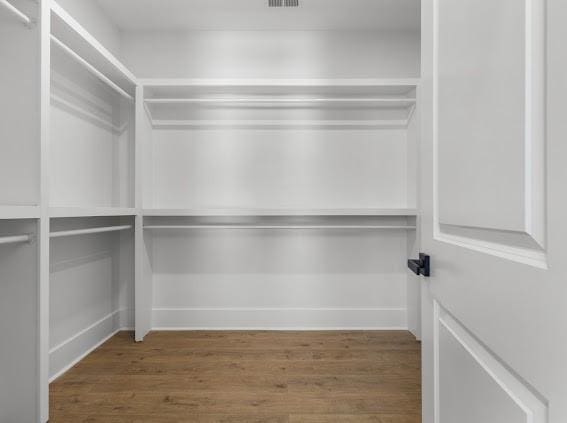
point(299, 279)
point(91, 144)
point(269, 279)
point(91, 290)
point(280, 169)
point(266, 54)
point(293, 279)
point(19, 109)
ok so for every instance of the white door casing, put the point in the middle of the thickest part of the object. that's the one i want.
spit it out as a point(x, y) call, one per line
point(494, 147)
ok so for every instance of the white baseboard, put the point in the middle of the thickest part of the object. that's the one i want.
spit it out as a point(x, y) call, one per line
point(279, 319)
point(126, 319)
point(69, 352)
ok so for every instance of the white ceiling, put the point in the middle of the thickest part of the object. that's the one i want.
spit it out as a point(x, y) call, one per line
point(144, 15)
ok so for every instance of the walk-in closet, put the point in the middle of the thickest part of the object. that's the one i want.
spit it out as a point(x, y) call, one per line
point(222, 210)
point(193, 174)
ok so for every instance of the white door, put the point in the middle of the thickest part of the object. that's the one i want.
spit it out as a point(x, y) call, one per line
point(494, 199)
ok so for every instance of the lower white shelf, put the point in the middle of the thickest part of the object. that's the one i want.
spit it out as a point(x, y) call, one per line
point(19, 212)
point(90, 211)
point(231, 212)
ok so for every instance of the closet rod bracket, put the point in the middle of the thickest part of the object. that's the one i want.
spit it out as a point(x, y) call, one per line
point(31, 24)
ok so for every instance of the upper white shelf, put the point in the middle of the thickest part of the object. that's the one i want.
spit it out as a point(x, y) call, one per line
point(90, 211)
point(19, 212)
point(288, 101)
point(388, 92)
point(279, 212)
point(70, 36)
point(163, 83)
point(274, 103)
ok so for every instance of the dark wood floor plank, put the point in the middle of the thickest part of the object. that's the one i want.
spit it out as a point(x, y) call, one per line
point(237, 377)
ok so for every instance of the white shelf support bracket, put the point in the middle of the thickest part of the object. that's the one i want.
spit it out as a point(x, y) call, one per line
point(411, 113)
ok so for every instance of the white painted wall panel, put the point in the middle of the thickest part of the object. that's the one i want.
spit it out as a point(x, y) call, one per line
point(272, 54)
point(82, 159)
point(274, 290)
point(280, 169)
point(91, 148)
point(81, 291)
point(19, 109)
point(332, 278)
point(91, 289)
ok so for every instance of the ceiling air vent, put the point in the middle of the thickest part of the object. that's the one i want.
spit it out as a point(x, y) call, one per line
point(283, 3)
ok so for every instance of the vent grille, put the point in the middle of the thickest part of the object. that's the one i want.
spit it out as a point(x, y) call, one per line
point(283, 3)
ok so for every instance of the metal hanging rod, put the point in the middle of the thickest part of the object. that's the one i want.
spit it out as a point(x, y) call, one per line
point(61, 234)
point(106, 124)
point(276, 227)
point(91, 68)
point(392, 123)
point(16, 239)
point(404, 100)
point(20, 15)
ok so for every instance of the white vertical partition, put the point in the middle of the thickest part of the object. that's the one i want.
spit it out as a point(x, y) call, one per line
point(44, 224)
point(86, 170)
point(143, 275)
point(18, 320)
point(19, 108)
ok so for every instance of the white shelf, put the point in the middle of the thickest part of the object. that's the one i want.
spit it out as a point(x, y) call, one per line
point(19, 212)
point(363, 90)
point(278, 212)
point(76, 38)
point(90, 211)
point(389, 102)
point(283, 82)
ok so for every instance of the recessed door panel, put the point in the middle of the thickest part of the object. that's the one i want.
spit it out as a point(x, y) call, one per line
point(490, 115)
point(473, 385)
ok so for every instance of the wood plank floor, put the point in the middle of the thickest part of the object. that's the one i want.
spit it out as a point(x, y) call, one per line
point(276, 377)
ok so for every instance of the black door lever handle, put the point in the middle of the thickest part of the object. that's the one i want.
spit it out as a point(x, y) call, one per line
point(421, 266)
